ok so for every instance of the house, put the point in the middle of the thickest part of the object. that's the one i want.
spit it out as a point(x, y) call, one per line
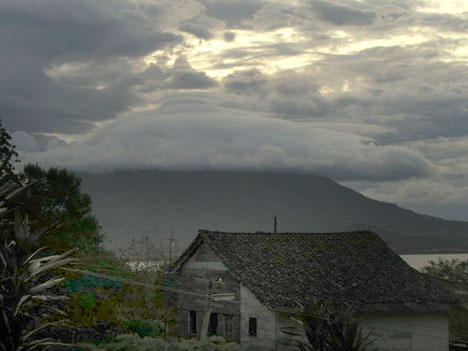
point(271, 274)
point(458, 316)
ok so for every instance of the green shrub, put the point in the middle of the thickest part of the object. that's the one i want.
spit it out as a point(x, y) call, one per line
point(152, 327)
point(133, 342)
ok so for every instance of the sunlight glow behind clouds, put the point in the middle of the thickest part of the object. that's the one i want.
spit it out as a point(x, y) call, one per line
point(388, 71)
point(443, 6)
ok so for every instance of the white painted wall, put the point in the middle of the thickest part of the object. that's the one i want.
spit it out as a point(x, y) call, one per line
point(419, 332)
point(266, 323)
point(407, 332)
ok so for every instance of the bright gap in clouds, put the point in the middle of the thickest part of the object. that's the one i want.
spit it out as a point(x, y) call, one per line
point(204, 55)
point(444, 6)
point(411, 38)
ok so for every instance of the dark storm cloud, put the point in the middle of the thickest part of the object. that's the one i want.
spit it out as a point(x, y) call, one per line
point(233, 12)
point(197, 30)
point(53, 29)
point(36, 35)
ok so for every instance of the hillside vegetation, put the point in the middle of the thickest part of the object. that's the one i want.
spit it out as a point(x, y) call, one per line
point(135, 203)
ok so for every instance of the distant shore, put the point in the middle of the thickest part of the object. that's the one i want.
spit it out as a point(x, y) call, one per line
point(418, 261)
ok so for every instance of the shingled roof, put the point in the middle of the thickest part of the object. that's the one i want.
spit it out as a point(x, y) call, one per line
point(281, 269)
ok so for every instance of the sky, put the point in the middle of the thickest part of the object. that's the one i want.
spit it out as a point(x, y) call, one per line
point(371, 93)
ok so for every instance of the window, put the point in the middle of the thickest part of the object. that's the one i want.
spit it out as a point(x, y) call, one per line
point(228, 319)
point(253, 327)
point(193, 322)
point(213, 325)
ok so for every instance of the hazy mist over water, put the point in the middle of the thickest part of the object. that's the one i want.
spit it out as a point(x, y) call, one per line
point(419, 261)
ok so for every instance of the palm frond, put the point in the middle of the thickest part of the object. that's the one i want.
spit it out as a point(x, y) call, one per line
point(22, 300)
point(48, 343)
point(34, 254)
point(49, 297)
point(34, 271)
point(43, 326)
point(46, 285)
point(35, 343)
point(15, 190)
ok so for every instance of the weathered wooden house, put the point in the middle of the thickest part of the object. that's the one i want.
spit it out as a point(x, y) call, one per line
point(271, 274)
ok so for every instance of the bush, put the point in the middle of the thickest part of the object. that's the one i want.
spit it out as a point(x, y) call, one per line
point(132, 342)
point(153, 328)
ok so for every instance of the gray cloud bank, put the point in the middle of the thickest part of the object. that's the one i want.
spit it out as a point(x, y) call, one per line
point(191, 134)
point(68, 66)
point(39, 34)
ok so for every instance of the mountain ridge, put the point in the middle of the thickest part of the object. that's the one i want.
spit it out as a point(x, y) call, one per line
point(153, 203)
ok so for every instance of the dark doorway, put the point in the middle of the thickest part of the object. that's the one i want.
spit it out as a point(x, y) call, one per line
point(193, 322)
point(213, 326)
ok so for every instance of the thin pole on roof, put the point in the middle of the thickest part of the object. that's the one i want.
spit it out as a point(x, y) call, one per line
point(275, 224)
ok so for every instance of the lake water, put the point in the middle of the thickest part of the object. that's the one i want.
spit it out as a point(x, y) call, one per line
point(415, 261)
point(419, 261)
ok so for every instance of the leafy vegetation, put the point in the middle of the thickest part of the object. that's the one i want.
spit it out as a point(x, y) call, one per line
point(95, 300)
point(59, 204)
point(8, 156)
point(151, 327)
point(24, 281)
point(331, 327)
point(132, 342)
point(454, 270)
point(456, 273)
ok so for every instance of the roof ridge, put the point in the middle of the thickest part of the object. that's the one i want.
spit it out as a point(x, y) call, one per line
point(278, 233)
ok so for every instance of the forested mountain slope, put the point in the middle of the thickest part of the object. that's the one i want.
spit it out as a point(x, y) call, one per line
point(136, 203)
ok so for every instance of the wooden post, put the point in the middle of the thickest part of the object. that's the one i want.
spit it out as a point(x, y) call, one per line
point(206, 316)
point(171, 242)
point(275, 225)
point(165, 323)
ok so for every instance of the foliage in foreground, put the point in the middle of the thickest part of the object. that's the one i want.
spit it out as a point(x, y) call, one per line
point(144, 328)
point(330, 327)
point(97, 300)
point(132, 342)
point(25, 279)
point(8, 156)
point(59, 203)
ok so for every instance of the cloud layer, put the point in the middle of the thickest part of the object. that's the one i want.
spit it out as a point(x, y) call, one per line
point(371, 90)
point(191, 134)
